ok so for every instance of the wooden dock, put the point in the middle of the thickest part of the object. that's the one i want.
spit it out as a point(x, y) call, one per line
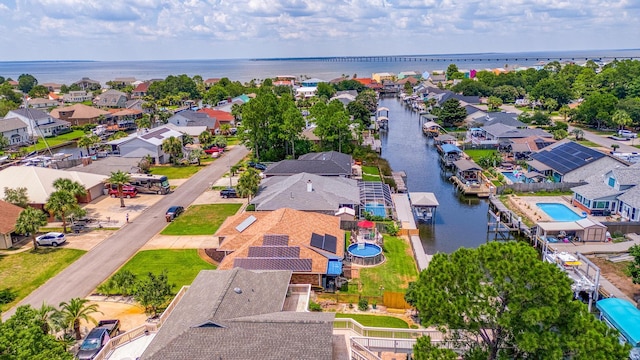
point(480, 190)
point(405, 216)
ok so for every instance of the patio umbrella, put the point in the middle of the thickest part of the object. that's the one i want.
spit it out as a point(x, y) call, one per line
point(366, 224)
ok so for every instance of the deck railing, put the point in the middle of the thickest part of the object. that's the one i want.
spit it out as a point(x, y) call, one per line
point(390, 333)
point(141, 330)
point(359, 352)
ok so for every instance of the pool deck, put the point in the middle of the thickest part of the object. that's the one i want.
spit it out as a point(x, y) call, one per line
point(405, 216)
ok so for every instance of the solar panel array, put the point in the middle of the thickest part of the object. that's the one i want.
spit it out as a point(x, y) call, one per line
point(274, 251)
point(567, 157)
point(275, 240)
point(326, 242)
point(273, 264)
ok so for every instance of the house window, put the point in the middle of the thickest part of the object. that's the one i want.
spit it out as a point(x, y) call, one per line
point(578, 198)
point(601, 205)
point(586, 202)
point(612, 182)
point(633, 214)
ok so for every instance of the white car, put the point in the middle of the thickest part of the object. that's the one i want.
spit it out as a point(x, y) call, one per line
point(52, 238)
point(627, 134)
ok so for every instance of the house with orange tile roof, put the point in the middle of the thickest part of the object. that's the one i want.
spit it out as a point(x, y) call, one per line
point(140, 90)
point(210, 82)
point(80, 114)
point(8, 221)
point(307, 243)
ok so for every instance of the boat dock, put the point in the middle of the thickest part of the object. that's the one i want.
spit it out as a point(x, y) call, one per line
point(399, 177)
point(480, 190)
point(405, 216)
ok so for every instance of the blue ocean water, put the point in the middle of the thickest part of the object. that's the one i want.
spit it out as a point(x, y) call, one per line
point(243, 70)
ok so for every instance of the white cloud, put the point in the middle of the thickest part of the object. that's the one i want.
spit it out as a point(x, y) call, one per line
point(357, 27)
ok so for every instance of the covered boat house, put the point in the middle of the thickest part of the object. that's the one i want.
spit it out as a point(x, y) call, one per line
point(449, 154)
point(424, 206)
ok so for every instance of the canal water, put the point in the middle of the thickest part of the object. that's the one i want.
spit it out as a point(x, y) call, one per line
point(460, 221)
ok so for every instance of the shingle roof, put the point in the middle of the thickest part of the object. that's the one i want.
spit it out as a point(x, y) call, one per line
point(237, 314)
point(627, 176)
point(291, 192)
point(30, 113)
point(331, 163)
point(509, 119)
point(80, 111)
point(9, 217)
point(567, 157)
point(631, 197)
point(465, 165)
point(11, 124)
point(596, 190)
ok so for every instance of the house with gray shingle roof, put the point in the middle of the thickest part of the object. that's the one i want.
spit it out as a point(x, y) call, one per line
point(111, 98)
point(145, 142)
point(615, 192)
point(38, 122)
point(330, 163)
point(241, 315)
point(307, 192)
point(15, 131)
point(193, 118)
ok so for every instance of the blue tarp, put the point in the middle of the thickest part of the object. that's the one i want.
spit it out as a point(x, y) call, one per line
point(449, 148)
point(334, 267)
point(624, 316)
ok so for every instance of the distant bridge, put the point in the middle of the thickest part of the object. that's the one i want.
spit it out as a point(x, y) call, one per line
point(452, 59)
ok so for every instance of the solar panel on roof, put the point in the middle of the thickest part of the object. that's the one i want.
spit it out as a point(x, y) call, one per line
point(246, 223)
point(274, 251)
point(330, 243)
point(273, 264)
point(317, 240)
point(275, 240)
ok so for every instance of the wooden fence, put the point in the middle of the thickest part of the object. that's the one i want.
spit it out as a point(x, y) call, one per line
point(535, 187)
point(395, 300)
point(624, 227)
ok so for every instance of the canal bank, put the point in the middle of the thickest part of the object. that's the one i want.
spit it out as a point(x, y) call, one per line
point(460, 221)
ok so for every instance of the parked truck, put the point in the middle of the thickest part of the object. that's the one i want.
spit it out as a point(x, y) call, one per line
point(98, 338)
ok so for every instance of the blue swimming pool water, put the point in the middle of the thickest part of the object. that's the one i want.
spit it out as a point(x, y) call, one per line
point(368, 251)
point(559, 212)
point(509, 175)
point(376, 209)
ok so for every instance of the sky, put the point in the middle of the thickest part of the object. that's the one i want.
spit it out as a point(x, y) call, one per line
point(227, 29)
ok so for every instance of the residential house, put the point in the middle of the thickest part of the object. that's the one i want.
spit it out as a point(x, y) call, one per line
point(495, 133)
point(77, 96)
point(145, 142)
point(210, 82)
point(406, 74)
point(80, 114)
point(284, 80)
point(479, 118)
point(345, 97)
point(38, 122)
point(312, 82)
point(243, 315)
point(87, 84)
point(140, 90)
point(111, 98)
point(567, 161)
point(331, 163)
point(39, 182)
point(189, 118)
point(306, 92)
point(615, 192)
point(52, 87)
point(40, 103)
point(15, 131)
point(221, 117)
point(122, 81)
point(380, 77)
point(468, 171)
point(522, 148)
point(307, 192)
point(8, 221)
point(309, 244)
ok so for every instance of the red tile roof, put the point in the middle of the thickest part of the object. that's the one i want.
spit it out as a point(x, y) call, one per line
point(217, 114)
point(9, 217)
point(142, 87)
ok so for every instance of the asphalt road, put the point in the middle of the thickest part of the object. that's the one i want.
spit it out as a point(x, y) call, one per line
point(625, 146)
point(83, 276)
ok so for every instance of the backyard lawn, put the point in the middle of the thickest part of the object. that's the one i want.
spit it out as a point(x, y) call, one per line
point(376, 321)
point(477, 154)
point(394, 274)
point(57, 140)
point(201, 219)
point(370, 173)
point(26, 271)
point(182, 265)
point(176, 171)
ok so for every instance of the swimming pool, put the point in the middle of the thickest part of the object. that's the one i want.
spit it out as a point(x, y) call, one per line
point(365, 254)
point(559, 212)
point(514, 179)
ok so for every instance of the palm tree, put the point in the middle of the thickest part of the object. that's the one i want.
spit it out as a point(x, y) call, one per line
point(578, 133)
point(61, 204)
point(173, 147)
point(88, 141)
point(45, 315)
point(75, 310)
point(248, 183)
point(205, 138)
point(70, 186)
point(30, 221)
point(225, 129)
point(196, 154)
point(144, 122)
point(119, 178)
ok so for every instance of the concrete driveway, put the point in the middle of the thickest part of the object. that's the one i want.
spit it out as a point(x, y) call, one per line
point(83, 276)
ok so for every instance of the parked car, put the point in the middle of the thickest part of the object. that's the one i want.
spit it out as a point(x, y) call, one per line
point(214, 149)
point(257, 166)
point(627, 134)
point(128, 191)
point(173, 212)
point(51, 238)
point(98, 338)
point(228, 193)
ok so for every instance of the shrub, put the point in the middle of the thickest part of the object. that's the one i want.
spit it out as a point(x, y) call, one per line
point(392, 229)
point(363, 304)
point(7, 295)
point(314, 306)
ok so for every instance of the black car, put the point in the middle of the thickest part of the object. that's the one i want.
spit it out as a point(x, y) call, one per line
point(173, 212)
point(228, 193)
point(257, 166)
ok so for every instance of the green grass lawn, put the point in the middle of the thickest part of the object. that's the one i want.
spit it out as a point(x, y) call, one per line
point(26, 271)
point(57, 140)
point(394, 275)
point(182, 265)
point(201, 219)
point(588, 143)
point(176, 171)
point(370, 173)
point(376, 321)
point(476, 154)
